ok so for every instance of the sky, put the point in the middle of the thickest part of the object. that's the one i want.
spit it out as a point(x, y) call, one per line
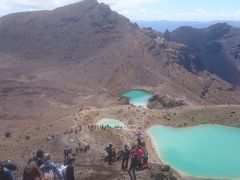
point(152, 10)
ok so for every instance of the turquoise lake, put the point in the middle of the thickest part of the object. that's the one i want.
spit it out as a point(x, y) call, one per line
point(138, 97)
point(211, 151)
point(111, 123)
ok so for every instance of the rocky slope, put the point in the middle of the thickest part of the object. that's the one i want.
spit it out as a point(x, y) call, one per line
point(84, 48)
point(67, 67)
point(217, 46)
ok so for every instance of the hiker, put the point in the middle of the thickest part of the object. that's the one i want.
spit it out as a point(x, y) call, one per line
point(31, 172)
point(79, 148)
point(110, 153)
point(38, 158)
point(5, 174)
point(145, 157)
point(66, 152)
point(126, 154)
point(132, 150)
point(48, 166)
point(82, 148)
point(6, 169)
point(139, 134)
point(133, 167)
point(139, 152)
point(86, 148)
point(70, 170)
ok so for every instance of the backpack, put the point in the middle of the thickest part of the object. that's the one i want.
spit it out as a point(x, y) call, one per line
point(9, 165)
point(126, 153)
point(6, 167)
point(63, 169)
point(31, 171)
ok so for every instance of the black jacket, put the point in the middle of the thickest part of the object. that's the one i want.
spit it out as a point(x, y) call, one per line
point(70, 173)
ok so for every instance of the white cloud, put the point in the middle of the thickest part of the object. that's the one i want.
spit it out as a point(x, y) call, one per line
point(133, 9)
point(129, 8)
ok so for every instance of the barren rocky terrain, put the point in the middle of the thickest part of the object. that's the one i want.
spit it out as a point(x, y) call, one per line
point(68, 67)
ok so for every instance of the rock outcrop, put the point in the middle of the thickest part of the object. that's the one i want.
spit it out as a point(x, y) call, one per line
point(160, 102)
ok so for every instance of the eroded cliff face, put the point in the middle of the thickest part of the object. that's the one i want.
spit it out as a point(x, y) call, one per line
point(217, 46)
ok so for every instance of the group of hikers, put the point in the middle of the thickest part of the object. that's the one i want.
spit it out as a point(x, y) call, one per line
point(104, 127)
point(41, 167)
point(137, 153)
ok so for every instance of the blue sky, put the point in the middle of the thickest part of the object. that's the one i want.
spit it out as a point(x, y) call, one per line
point(201, 10)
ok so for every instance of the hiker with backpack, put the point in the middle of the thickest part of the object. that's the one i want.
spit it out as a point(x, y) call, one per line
point(66, 151)
point(49, 167)
point(70, 170)
point(133, 167)
point(6, 169)
point(139, 152)
point(32, 170)
point(38, 158)
point(139, 136)
point(126, 155)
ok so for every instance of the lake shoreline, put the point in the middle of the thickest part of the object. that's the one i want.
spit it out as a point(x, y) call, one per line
point(154, 146)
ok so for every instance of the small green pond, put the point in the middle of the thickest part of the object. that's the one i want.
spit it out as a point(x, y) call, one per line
point(112, 123)
point(138, 98)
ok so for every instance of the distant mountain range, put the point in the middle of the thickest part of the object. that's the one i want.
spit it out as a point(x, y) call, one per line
point(172, 25)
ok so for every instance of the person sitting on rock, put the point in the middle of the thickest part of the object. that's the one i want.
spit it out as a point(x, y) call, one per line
point(48, 166)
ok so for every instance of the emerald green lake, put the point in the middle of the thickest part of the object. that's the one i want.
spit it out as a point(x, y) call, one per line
point(211, 151)
point(111, 123)
point(138, 97)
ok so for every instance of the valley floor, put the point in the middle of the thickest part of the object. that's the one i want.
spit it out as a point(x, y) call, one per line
point(27, 135)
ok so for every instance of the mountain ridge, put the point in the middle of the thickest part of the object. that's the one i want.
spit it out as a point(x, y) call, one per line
point(173, 25)
point(87, 46)
point(214, 45)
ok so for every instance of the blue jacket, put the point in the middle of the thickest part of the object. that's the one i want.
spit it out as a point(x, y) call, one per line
point(50, 166)
point(6, 174)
